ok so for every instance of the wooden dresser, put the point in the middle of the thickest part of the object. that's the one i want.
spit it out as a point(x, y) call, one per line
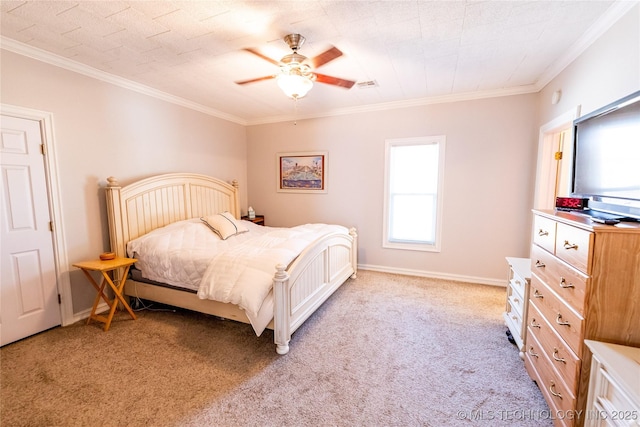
point(585, 284)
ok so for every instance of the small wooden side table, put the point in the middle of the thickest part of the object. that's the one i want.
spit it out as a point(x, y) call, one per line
point(104, 267)
point(259, 219)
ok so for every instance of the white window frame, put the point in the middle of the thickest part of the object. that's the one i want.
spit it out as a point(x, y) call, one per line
point(440, 140)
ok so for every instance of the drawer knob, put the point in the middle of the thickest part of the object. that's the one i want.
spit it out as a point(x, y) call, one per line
point(533, 324)
point(564, 284)
point(542, 232)
point(556, 357)
point(568, 245)
point(537, 294)
point(540, 264)
point(552, 389)
point(531, 352)
point(561, 322)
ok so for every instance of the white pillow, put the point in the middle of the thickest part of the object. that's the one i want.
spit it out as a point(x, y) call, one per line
point(224, 225)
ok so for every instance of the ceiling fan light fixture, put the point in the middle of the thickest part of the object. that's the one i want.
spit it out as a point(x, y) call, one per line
point(297, 72)
point(294, 85)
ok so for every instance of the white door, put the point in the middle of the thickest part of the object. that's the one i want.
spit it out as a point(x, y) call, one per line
point(29, 292)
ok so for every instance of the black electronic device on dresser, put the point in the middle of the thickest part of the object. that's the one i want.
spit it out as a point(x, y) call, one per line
point(572, 203)
point(606, 163)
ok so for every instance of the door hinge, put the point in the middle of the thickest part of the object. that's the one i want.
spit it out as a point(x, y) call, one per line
point(59, 299)
point(557, 155)
point(43, 149)
point(51, 226)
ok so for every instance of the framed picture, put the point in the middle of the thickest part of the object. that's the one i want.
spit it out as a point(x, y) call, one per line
point(302, 172)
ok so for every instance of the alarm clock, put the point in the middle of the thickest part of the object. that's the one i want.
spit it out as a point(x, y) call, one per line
point(572, 203)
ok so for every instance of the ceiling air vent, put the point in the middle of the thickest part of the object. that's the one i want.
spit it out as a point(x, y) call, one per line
point(367, 84)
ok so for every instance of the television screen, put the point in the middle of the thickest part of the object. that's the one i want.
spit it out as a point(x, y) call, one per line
point(607, 153)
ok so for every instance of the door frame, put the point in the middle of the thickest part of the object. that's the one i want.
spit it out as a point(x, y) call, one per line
point(545, 186)
point(55, 204)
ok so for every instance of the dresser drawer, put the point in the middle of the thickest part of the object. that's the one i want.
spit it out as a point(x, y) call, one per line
point(514, 322)
point(573, 246)
point(517, 303)
point(613, 400)
point(567, 282)
point(544, 233)
point(562, 358)
point(518, 285)
point(614, 384)
point(559, 397)
point(564, 321)
point(515, 316)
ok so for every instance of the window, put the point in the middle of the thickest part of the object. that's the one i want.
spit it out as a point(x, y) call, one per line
point(414, 170)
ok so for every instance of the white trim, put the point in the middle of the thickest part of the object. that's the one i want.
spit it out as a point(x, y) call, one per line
point(543, 185)
point(440, 141)
point(434, 275)
point(68, 64)
point(416, 102)
point(59, 61)
point(55, 204)
point(610, 17)
point(84, 314)
point(616, 11)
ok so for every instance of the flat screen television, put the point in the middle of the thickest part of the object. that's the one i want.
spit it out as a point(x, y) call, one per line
point(606, 163)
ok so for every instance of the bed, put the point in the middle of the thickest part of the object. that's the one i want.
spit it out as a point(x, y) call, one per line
point(298, 288)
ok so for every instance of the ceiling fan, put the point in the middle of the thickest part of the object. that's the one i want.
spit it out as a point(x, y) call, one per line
point(296, 74)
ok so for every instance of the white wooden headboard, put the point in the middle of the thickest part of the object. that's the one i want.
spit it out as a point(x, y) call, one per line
point(154, 202)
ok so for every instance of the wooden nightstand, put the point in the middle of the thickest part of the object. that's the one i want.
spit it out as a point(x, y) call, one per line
point(259, 219)
point(104, 267)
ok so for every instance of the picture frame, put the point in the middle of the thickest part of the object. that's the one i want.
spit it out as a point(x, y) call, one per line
point(302, 172)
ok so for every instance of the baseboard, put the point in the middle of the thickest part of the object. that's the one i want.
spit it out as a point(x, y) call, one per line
point(82, 315)
point(435, 275)
point(383, 269)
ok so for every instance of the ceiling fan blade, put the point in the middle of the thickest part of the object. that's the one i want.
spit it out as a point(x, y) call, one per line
point(326, 56)
point(336, 81)
point(259, 79)
point(266, 58)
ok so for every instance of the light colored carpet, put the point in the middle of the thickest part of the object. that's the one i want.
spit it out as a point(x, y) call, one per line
point(385, 350)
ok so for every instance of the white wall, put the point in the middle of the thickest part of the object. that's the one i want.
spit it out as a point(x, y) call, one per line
point(487, 189)
point(608, 70)
point(103, 130)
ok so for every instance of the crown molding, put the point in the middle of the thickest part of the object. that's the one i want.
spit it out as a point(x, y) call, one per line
point(66, 63)
point(617, 10)
point(408, 103)
point(71, 65)
point(610, 17)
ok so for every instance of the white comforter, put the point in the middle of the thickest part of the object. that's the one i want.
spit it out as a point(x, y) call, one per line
point(243, 275)
point(238, 270)
point(179, 253)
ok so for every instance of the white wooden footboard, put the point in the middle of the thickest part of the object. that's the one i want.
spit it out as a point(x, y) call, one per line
point(154, 202)
point(309, 281)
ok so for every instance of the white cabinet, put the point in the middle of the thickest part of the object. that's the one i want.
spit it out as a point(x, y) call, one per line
point(614, 385)
point(515, 314)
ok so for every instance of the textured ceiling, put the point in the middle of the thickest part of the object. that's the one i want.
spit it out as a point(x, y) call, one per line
point(415, 51)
